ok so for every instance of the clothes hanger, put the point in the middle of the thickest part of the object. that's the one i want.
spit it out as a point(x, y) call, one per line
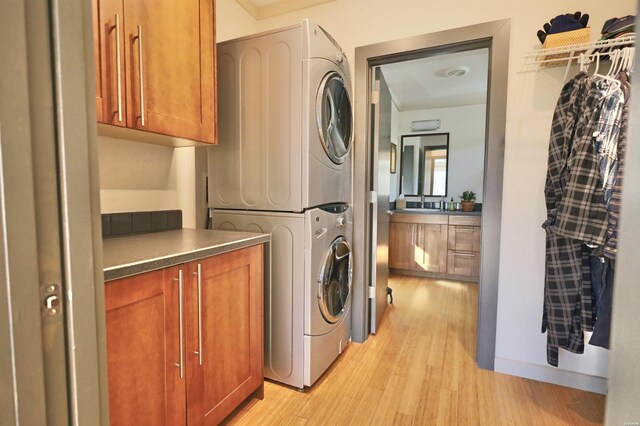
point(615, 83)
point(581, 60)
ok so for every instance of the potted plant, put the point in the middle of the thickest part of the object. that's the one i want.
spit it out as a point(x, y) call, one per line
point(468, 199)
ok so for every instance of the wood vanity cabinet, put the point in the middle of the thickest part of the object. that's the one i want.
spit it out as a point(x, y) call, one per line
point(155, 66)
point(418, 242)
point(437, 245)
point(402, 245)
point(185, 344)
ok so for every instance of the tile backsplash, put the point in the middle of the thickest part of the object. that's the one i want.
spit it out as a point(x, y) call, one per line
point(129, 223)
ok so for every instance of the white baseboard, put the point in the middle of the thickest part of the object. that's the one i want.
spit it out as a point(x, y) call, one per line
point(550, 374)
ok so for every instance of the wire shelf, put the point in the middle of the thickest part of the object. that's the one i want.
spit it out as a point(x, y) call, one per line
point(563, 55)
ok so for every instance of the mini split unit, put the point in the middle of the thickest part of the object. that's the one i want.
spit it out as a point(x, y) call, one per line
point(425, 125)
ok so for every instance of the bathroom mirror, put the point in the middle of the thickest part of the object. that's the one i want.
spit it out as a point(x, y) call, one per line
point(424, 164)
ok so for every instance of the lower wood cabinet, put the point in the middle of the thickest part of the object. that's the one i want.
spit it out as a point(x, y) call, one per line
point(185, 344)
point(402, 245)
point(438, 245)
point(418, 242)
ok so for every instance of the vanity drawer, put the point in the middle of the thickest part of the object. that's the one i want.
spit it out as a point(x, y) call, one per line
point(465, 220)
point(464, 238)
point(463, 263)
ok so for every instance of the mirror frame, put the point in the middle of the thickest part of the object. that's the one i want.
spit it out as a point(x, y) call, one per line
point(446, 146)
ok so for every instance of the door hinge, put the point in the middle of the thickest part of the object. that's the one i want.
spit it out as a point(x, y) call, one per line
point(372, 292)
point(373, 197)
point(375, 97)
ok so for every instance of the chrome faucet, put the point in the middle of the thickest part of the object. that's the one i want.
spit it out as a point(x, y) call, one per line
point(422, 201)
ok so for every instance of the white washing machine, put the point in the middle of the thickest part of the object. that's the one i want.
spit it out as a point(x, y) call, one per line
point(285, 122)
point(328, 285)
point(307, 287)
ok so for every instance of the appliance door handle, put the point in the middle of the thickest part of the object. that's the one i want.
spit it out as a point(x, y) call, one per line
point(141, 76)
point(198, 353)
point(119, 67)
point(320, 232)
point(180, 364)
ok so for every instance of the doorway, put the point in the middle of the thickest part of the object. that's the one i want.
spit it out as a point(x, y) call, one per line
point(493, 36)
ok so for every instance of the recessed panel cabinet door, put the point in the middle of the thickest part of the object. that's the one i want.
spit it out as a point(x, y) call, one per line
point(225, 333)
point(143, 349)
point(403, 247)
point(170, 54)
point(433, 244)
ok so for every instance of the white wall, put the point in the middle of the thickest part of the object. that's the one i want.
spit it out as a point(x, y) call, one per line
point(466, 128)
point(138, 177)
point(531, 99)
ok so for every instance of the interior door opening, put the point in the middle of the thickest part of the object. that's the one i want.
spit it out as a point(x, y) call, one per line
point(439, 171)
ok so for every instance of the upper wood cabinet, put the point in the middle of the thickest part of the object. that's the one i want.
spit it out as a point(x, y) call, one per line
point(155, 66)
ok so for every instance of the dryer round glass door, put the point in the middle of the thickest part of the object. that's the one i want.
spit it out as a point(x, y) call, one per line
point(333, 117)
point(334, 282)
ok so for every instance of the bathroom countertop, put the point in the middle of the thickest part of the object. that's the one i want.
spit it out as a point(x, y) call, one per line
point(136, 254)
point(434, 211)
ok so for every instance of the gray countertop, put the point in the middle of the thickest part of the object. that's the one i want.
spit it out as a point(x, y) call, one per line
point(431, 211)
point(135, 254)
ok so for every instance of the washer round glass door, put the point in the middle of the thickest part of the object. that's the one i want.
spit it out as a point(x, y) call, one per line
point(333, 117)
point(334, 282)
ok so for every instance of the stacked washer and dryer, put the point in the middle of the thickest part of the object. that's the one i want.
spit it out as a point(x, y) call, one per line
point(283, 166)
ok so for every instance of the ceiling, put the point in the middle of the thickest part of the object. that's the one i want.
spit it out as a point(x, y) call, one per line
point(422, 84)
point(262, 9)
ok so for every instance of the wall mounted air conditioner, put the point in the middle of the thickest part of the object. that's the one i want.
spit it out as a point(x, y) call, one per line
point(425, 125)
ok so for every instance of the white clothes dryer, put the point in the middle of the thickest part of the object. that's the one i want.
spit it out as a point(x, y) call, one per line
point(307, 287)
point(285, 122)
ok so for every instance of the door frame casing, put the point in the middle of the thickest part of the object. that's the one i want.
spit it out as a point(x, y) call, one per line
point(495, 36)
point(54, 366)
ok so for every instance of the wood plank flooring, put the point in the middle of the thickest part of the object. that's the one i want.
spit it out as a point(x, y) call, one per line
point(420, 370)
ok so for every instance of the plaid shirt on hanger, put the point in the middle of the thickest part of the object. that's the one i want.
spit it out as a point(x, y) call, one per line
point(568, 306)
point(581, 212)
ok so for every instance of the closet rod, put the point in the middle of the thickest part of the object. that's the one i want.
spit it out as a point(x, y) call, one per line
point(558, 55)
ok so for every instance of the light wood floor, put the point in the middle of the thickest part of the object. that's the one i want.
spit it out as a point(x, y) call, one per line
point(420, 369)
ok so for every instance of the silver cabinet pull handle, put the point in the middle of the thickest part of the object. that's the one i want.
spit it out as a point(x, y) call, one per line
point(466, 230)
point(199, 351)
point(181, 363)
point(118, 67)
point(464, 254)
point(141, 76)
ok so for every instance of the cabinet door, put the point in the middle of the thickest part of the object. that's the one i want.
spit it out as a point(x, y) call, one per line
point(225, 334)
point(403, 248)
point(464, 263)
point(464, 238)
point(143, 348)
point(172, 91)
point(432, 242)
point(109, 52)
